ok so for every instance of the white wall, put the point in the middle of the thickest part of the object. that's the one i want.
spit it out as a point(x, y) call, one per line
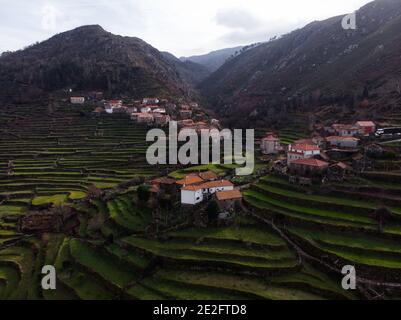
point(191, 197)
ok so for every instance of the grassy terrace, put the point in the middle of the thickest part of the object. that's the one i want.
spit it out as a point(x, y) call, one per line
point(361, 245)
point(56, 156)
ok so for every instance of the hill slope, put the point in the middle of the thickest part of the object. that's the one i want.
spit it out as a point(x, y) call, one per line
point(213, 60)
point(319, 64)
point(193, 73)
point(89, 58)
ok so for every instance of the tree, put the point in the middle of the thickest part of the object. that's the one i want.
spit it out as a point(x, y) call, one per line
point(212, 211)
point(382, 215)
point(94, 193)
point(143, 194)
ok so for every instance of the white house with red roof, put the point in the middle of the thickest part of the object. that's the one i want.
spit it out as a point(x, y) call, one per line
point(302, 151)
point(196, 193)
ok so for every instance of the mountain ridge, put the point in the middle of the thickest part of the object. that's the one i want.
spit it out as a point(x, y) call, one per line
point(318, 64)
point(90, 58)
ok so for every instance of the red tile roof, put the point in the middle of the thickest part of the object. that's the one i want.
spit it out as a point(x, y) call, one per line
point(189, 180)
point(209, 185)
point(305, 147)
point(311, 162)
point(229, 195)
point(366, 123)
point(338, 138)
point(208, 175)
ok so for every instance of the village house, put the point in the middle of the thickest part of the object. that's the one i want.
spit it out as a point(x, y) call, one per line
point(302, 151)
point(159, 110)
point(270, 145)
point(148, 101)
point(346, 130)
point(111, 105)
point(145, 118)
point(343, 142)
point(308, 167)
point(337, 171)
point(165, 184)
point(77, 100)
point(189, 180)
point(366, 128)
point(227, 199)
point(196, 193)
point(208, 176)
point(146, 109)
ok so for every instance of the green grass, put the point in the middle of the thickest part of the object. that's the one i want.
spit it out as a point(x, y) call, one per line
point(223, 254)
point(56, 199)
point(255, 287)
point(118, 274)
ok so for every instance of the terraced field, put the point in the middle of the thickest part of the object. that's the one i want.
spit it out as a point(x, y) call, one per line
point(56, 156)
point(244, 261)
point(122, 248)
point(341, 226)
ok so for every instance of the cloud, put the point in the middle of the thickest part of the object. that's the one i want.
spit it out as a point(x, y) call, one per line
point(237, 18)
point(183, 27)
point(49, 17)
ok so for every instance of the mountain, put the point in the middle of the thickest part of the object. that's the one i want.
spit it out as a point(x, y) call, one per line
point(89, 58)
point(213, 60)
point(191, 72)
point(320, 64)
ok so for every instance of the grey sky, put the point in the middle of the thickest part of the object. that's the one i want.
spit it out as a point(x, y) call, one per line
point(182, 27)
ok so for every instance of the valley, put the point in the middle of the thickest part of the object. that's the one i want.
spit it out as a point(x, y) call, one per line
point(78, 192)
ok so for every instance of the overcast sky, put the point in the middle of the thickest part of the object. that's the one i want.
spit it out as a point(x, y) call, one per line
point(182, 27)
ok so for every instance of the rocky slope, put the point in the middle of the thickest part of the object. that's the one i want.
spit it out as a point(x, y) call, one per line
point(320, 64)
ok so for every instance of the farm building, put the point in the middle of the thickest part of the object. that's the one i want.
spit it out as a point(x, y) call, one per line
point(227, 199)
point(148, 101)
point(366, 127)
point(196, 193)
point(346, 130)
point(190, 180)
point(308, 167)
point(77, 100)
point(270, 145)
point(111, 105)
point(159, 110)
point(208, 176)
point(302, 151)
point(165, 184)
point(146, 109)
point(343, 142)
point(337, 171)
